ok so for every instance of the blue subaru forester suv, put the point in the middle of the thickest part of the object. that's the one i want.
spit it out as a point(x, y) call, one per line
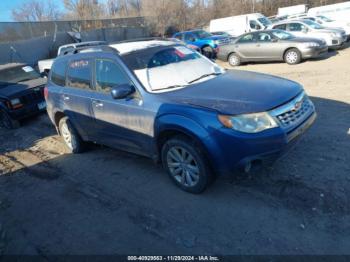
point(167, 102)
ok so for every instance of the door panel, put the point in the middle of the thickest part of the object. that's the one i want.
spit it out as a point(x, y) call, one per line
point(76, 96)
point(246, 47)
point(121, 123)
point(267, 48)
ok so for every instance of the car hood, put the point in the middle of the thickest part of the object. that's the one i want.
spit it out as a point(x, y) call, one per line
point(330, 30)
point(306, 40)
point(238, 92)
point(13, 89)
point(216, 37)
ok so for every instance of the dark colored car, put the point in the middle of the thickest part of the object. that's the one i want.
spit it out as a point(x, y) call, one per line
point(271, 45)
point(208, 43)
point(21, 94)
point(165, 101)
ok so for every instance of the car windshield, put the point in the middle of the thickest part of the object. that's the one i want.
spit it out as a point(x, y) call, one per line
point(17, 74)
point(325, 19)
point(266, 22)
point(313, 25)
point(202, 34)
point(168, 68)
point(283, 35)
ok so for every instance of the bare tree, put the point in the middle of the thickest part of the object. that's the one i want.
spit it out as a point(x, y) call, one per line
point(83, 9)
point(36, 10)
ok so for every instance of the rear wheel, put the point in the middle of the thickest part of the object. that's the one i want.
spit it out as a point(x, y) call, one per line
point(292, 56)
point(70, 136)
point(186, 165)
point(234, 60)
point(7, 122)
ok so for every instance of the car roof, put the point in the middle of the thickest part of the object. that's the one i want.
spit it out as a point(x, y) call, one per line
point(11, 65)
point(128, 47)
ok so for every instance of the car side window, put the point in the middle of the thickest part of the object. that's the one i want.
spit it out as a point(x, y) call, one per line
point(58, 73)
point(254, 25)
point(296, 27)
point(79, 74)
point(190, 37)
point(281, 27)
point(109, 75)
point(246, 39)
point(264, 37)
point(178, 36)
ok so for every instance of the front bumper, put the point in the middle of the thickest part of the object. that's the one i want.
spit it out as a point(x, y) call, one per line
point(231, 150)
point(313, 51)
point(336, 42)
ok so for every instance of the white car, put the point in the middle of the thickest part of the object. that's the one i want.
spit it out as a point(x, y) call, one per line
point(334, 38)
point(327, 22)
point(45, 65)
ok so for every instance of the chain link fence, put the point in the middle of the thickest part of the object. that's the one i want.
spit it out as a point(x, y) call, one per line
point(29, 42)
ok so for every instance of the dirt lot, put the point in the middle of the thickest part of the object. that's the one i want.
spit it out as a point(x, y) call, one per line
point(109, 202)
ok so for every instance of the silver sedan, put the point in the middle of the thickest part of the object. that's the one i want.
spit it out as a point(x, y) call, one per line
point(271, 45)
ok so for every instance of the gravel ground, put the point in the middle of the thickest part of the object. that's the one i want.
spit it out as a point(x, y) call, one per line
point(109, 202)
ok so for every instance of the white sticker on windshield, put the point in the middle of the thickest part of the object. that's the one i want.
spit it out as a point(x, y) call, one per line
point(184, 50)
point(28, 69)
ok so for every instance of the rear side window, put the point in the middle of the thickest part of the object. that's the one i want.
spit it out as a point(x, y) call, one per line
point(296, 27)
point(109, 75)
point(58, 73)
point(281, 27)
point(247, 39)
point(79, 74)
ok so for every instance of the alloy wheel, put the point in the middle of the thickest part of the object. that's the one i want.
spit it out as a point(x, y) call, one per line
point(292, 57)
point(183, 167)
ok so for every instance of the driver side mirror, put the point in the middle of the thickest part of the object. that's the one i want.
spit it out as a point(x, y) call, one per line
point(305, 30)
point(274, 40)
point(192, 39)
point(122, 91)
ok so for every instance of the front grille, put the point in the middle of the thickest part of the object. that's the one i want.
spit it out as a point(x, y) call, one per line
point(34, 96)
point(294, 112)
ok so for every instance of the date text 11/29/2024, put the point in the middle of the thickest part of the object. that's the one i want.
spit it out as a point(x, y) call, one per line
point(173, 258)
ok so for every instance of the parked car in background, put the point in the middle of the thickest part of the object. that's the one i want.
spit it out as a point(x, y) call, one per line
point(330, 23)
point(334, 38)
point(208, 43)
point(21, 94)
point(238, 25)
point(45, 65)
point(271, 45)
point(193, 47)
point(163, 100)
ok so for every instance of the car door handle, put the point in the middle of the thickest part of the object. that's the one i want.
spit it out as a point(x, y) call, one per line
point(97, 104)
point(66, 98)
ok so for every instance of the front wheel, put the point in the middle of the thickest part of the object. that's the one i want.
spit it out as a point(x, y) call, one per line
point(186, 165)
point(70, 136)
point(292, 56)
point(234, 60)
point(7, 122)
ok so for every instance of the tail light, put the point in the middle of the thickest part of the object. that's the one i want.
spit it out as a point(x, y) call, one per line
point(16, 103)
point(46, 93)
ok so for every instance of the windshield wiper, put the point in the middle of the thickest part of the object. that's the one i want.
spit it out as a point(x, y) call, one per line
point(203, 76)
point(170, 87)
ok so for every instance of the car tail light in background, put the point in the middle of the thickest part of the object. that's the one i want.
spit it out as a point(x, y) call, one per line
point(16, 103)
point(46, 92)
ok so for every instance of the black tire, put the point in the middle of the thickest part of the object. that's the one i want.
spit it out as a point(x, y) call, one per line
point(292, 56)
point(7, 122)
point(65, 127)
point(208, 52)
point(200, 179)
point(234, 60)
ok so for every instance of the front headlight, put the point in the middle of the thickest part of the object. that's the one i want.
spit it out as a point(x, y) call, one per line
point(311, 44)
point(217, 42)
point(248, 123)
